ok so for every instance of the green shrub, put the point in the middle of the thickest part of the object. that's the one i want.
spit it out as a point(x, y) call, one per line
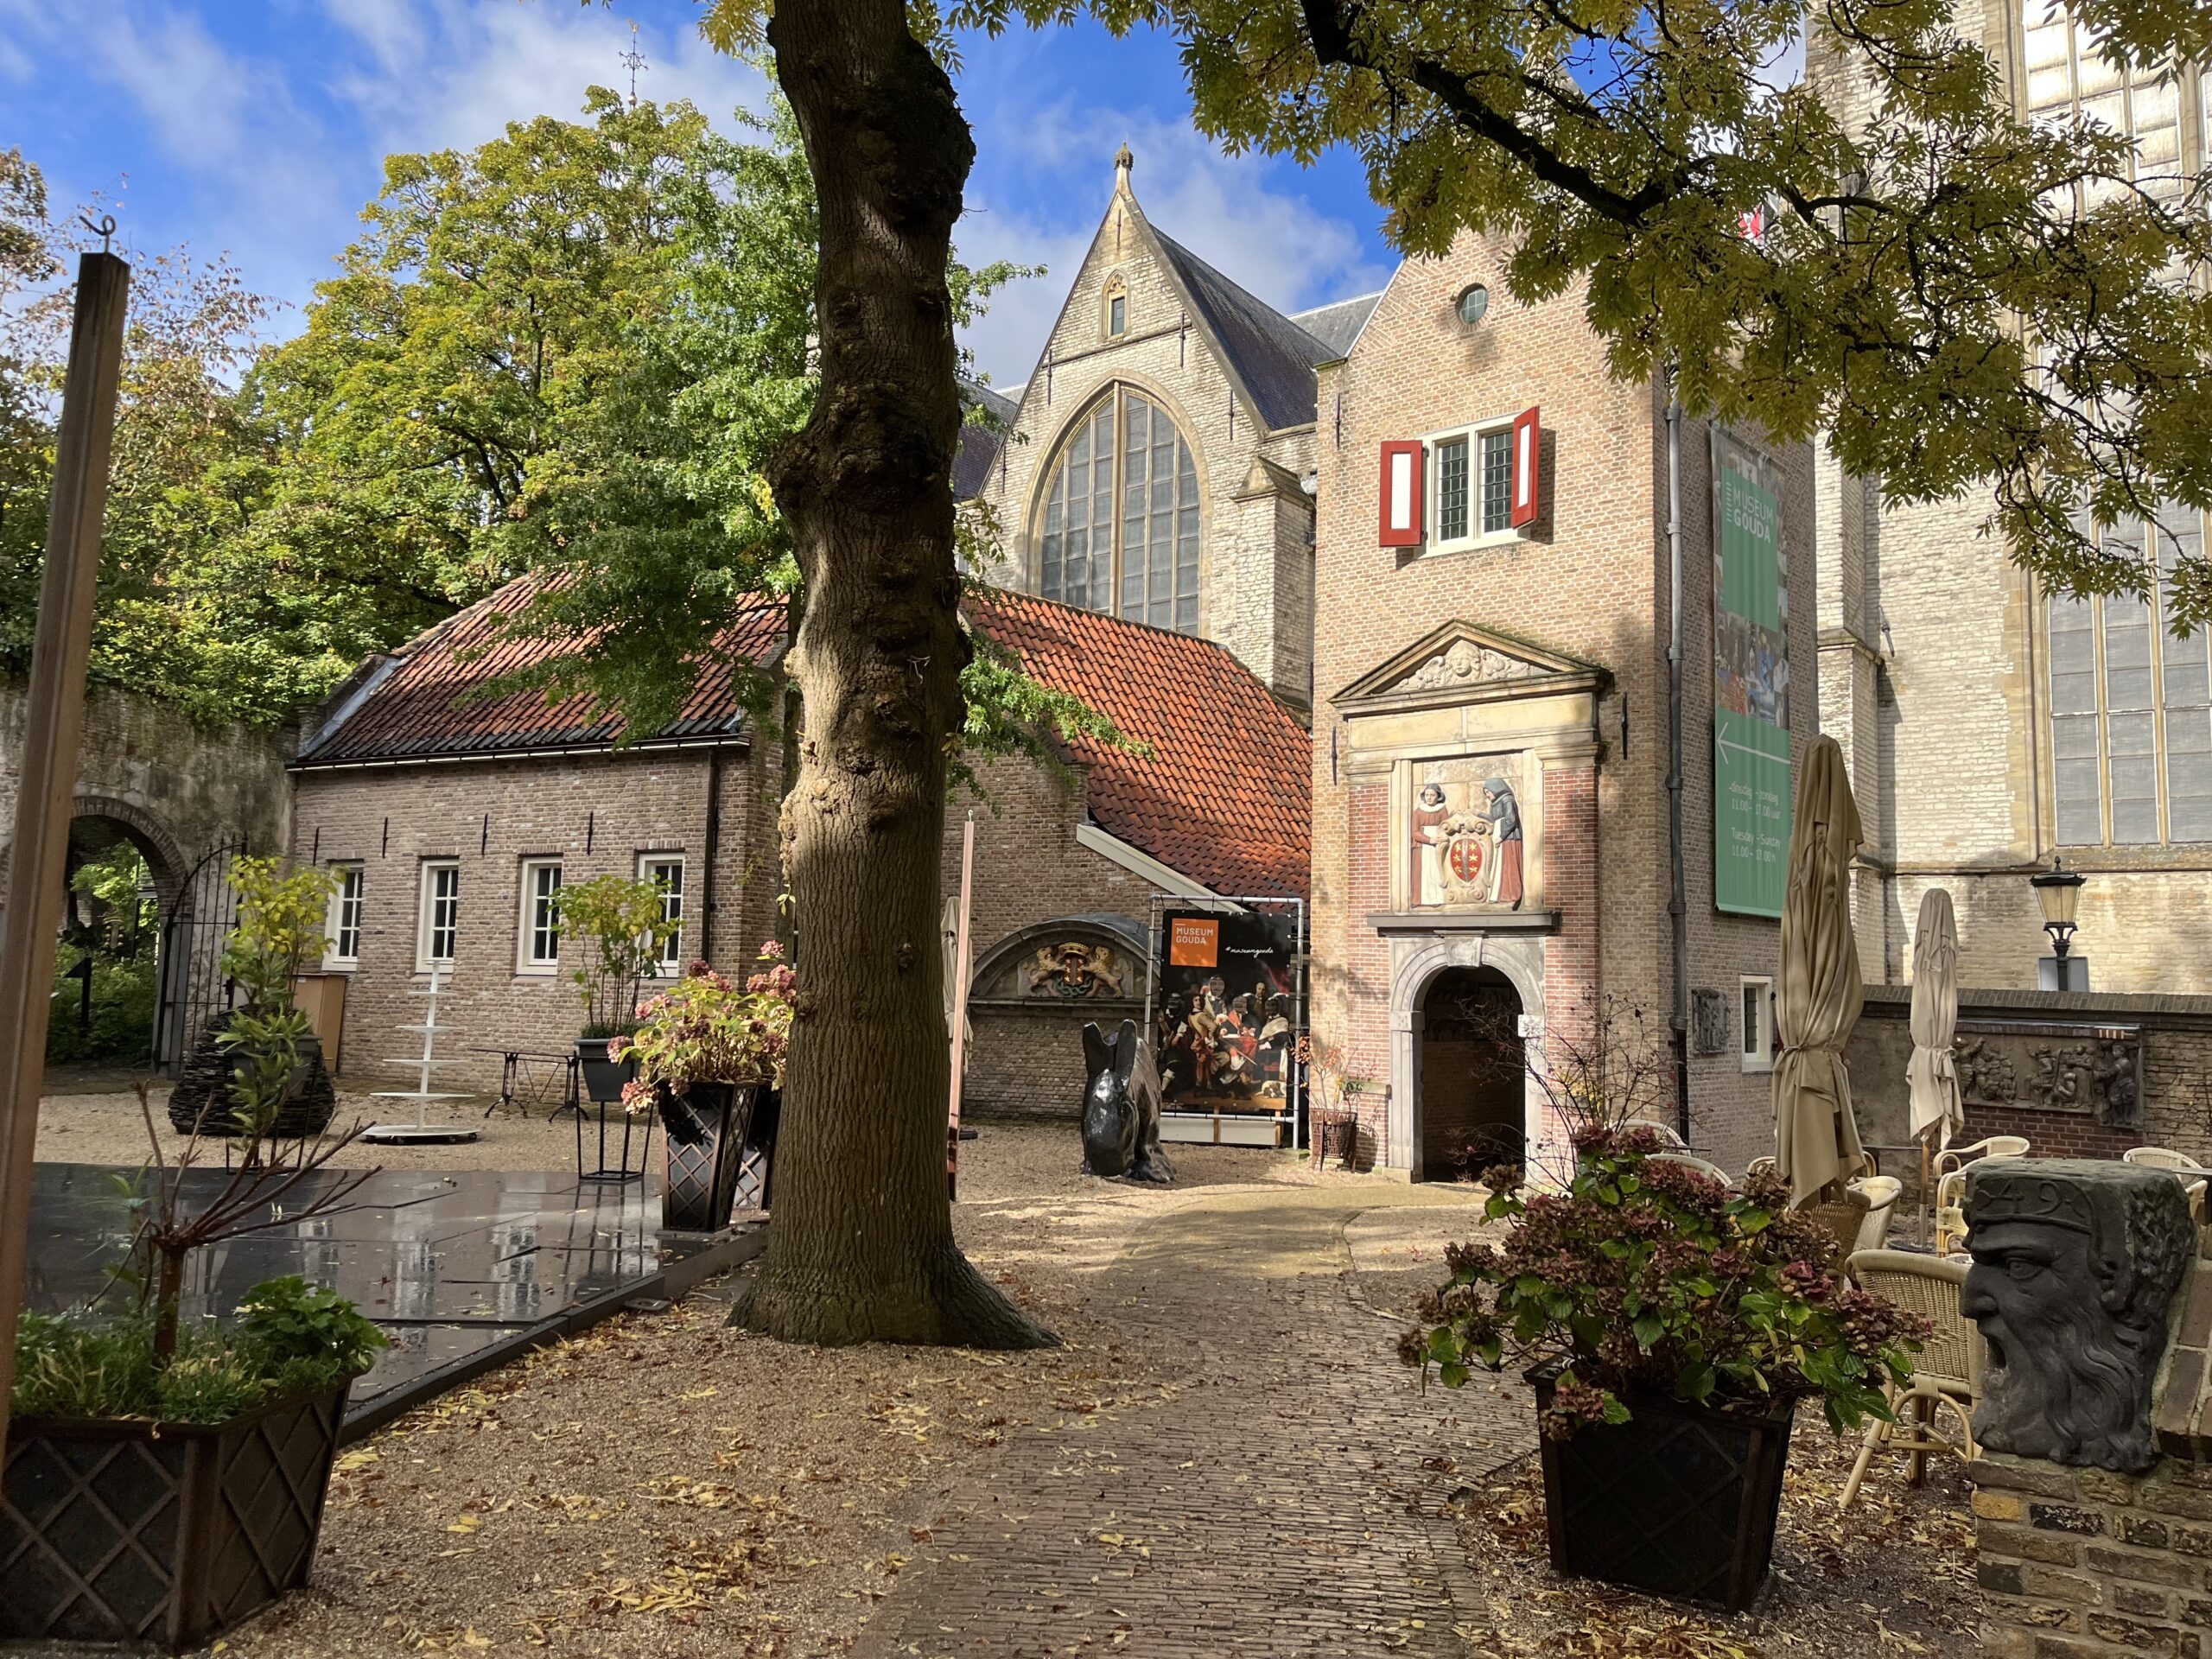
point(289, 1337)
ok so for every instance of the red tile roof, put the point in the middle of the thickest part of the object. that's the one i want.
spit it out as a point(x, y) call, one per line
point(1224, 797)
point(418, 703)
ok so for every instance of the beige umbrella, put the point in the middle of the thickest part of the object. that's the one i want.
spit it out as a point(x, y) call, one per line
point(1931, 1076)
point(1816, 1137)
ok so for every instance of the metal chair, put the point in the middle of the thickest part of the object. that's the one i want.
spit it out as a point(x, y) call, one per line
point(1712, 1170)
point(1946, 1374)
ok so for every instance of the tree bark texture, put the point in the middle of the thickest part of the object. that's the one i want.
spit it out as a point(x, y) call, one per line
point(861, 1246)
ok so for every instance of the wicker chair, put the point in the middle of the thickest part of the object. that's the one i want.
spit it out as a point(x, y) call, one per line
point(1882, 1193)
point(1946, 1374)
point(1951, 1183)
point(2185, 1169)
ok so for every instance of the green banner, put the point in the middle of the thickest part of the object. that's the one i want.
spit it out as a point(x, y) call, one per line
point(1750, 685)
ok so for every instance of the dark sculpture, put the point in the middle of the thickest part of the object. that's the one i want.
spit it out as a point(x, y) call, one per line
point(1120, 1107)
point(2075, 1267)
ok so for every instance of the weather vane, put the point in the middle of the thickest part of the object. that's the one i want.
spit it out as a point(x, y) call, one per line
point(636, 60)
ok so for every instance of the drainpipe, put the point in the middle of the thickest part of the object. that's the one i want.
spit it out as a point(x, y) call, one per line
point(1678, 909)
point(709, 855)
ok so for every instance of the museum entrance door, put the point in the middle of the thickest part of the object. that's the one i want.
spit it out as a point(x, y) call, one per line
point(1469, 1105)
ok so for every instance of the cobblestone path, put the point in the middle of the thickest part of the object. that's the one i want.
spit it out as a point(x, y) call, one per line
point(1285, 1499)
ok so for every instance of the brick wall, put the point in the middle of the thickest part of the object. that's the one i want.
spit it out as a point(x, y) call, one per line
point(1591, 585)
point(2081, 1563)
point(596, 813)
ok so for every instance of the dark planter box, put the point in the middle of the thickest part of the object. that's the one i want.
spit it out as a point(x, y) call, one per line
point(703, 1133)
point(166, 1534)
point(1680, 1500)
point(603, 1079)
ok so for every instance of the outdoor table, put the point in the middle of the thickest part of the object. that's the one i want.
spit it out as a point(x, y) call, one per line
point(520, 1080)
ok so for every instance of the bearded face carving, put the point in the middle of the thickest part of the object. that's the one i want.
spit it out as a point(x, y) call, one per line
point(2075, 1267)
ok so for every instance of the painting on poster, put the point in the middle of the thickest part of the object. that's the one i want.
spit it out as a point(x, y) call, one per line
point(1225, 1025)
point(1468, 832)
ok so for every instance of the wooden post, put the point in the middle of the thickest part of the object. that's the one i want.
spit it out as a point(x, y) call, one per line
point(960, 1004)
point(48, 774)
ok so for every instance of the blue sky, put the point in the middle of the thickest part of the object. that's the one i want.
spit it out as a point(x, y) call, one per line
point(258, 127)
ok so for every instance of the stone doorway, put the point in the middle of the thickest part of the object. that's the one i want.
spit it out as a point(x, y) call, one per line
point(1471, 1111)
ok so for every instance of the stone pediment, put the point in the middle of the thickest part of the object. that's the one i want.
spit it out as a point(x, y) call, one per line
point(1461, 660)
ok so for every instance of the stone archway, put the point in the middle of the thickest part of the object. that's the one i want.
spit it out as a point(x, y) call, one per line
point(1417, 959)
point(1469, 1111)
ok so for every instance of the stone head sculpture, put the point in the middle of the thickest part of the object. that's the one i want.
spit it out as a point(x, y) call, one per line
point(2074, 1267)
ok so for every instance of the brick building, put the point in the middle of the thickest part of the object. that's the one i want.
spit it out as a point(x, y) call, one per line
point(454, 822)
point(1990, 726)
point(1492, 617)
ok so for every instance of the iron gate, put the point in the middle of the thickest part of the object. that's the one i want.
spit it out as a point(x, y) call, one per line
point(192, 987)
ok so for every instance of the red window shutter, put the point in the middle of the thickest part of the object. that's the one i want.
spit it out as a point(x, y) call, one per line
point(1399, 498)
point(1528, 458)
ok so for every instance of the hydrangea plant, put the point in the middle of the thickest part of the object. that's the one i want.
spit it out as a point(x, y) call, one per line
point(707, 1028)
point(1651, 1279)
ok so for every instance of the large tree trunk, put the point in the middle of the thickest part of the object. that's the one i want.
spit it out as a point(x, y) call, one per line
point(861, 1249)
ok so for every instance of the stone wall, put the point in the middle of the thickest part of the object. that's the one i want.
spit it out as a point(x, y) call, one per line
point(2049, 1042)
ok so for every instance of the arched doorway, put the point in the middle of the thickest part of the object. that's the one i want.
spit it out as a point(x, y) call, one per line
point(119, 886)
point(1471, 1111)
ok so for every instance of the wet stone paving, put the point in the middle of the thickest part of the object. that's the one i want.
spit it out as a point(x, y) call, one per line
point(1287, 1498)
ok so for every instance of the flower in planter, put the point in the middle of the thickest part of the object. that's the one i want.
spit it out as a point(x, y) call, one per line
point(1650, 1280)
point(706, 1028)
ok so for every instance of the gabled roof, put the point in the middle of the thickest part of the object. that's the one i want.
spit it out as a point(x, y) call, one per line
point(1226, 796)
point(980, 444)
point(425, 701)
point(1464, 662)
point(1273, 356)
point(1338, 324)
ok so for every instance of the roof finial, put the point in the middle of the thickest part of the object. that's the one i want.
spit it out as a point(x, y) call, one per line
point(1124, 163)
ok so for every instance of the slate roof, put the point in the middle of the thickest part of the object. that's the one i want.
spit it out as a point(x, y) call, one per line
point(1226, 798)
point(1273, 356)
point(418, 703)
point(979, 445)
point(1336, 325)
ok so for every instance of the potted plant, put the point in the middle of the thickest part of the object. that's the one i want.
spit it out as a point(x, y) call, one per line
point(707, 1050)
point(277, 933)
point(1669, 1324)
point(165, 1476)
point(624, 927)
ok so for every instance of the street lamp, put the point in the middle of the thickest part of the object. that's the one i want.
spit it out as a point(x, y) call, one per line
point(2058, 895)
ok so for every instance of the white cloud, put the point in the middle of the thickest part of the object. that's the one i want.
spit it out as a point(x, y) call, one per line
point(460, 70)
point(1058, 161)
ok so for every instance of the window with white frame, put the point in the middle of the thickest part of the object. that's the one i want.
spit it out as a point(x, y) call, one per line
point(2131, 701)
point(540, 949)
point(1759, 1023)
point(667, 868)
point(1471, 483)
point(437, 930)
point(341, 932)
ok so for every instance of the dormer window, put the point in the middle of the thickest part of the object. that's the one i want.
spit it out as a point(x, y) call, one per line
point(1117, 309)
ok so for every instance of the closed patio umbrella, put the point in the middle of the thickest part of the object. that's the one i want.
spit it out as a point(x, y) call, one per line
point(1816, 1137)
point(1931, 1076)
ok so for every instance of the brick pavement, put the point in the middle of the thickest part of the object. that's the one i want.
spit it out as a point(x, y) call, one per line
point(1287, 1497)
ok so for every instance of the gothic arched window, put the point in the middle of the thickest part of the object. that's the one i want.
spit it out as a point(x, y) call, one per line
point(1120, 531)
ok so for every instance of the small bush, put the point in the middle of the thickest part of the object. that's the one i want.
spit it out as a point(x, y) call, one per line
point(289, 1337)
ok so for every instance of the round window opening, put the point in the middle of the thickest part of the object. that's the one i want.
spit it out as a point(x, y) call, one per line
point(1473, 302)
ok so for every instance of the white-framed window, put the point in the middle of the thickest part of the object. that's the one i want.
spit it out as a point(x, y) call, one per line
point(1759, 1023)
point(2131, 701)
point(667, 868)
point(538, 950)
point(437, 930)
point(1470, 486)
point(341, 933)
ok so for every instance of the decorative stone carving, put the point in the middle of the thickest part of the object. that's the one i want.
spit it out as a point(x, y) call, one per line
point(1709, 1022)
point(1120, 1107)
point(2074, 1266)
point(1075, 971)
point(1464, 663)
point(2053, 1066)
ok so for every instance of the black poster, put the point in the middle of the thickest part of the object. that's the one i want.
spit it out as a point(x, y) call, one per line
point(1224, 1023)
